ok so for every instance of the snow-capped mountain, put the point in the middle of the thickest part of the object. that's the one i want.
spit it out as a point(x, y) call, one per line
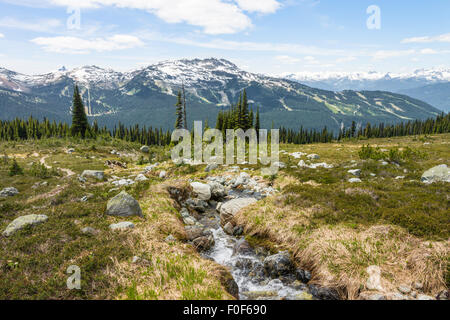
point(146, 96)
point(428, 85)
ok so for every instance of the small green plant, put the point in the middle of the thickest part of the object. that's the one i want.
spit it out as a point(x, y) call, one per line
point(41, 171)
point(15, 169)
point(368, 152)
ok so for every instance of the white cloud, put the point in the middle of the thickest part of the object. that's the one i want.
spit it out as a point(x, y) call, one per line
point(262, 6)
point(82, 46)
point(44, 25)
point(2, 35)
point(214, 16)
point(287, 59)
point(385, 54)
point(439, 38)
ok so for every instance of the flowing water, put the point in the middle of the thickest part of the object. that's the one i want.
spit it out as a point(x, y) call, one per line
point(247, 267)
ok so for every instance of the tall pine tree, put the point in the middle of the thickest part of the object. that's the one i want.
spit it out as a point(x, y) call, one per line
point(79, 119)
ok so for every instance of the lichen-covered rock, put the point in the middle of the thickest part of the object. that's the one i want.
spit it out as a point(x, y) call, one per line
point(24, 221)
point(203, 191)
point(9, 192)
point(229, 209)
point(99, 175)
point(279, 264)
point(123, 205)
point(197, 205)
point(437, 174)
point(218, 191)
point(122, 226)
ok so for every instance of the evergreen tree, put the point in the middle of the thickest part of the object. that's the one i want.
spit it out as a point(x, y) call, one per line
point(179, 112)
point(79, 119)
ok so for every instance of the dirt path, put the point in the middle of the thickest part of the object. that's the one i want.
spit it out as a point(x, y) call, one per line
point(65, 170)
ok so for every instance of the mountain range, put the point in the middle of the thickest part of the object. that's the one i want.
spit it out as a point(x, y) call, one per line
point(146, 96)
point(429, 85)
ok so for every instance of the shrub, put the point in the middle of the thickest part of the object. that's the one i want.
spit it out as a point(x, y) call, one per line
point(15, 169)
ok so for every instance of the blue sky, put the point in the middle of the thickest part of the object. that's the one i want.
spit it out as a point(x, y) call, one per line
point(265, 36)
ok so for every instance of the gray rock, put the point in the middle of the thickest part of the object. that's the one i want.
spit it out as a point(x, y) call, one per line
point(141, 177)
point(197, 205)
point(203, 191)
point(145, 149)
point(443, 295)
point(190, 221)
point(122, 226)
point(303, 275)
point(9, 192)
point(354, 180)
point(218, 191)
point(163, 174)
point(170, 238)
point(404, 289)
point(355, 172)
point(437, 174)
point(279, 264)
point(24, 221)
point(89, 231)
point(313, 156)
point(123, 205)
point(371, 296)
point(99, 175)
point(374, 280)
point(194, 232)
point(229, 209)
point(228, 228)
point(184, 213)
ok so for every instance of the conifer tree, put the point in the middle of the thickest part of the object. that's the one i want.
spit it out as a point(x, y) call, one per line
point(79, 119)
point(179, 112)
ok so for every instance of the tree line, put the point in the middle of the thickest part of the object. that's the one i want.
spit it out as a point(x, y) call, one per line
point(238, 116)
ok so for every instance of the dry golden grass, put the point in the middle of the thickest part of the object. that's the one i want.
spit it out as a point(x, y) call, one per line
point(338, 256)
point(174, 270)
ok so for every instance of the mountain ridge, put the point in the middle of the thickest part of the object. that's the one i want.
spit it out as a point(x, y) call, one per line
point(145, 96)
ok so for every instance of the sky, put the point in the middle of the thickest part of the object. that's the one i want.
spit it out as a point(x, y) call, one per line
point(264, 36)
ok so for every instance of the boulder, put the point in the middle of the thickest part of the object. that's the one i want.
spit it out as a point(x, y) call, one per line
point(355, 172)
point(228, 228)
point(123, 205)
point(218, 191)
point(437, 174)
point(145, 149)
point(313, 157)
point(89, 231)
point(279, 264)
point(303, 275)
point(99, 175)
point(24, 221)
point(229, 209)
point(9, 192)
point(141, 177)
point(122, 226)
point(354, 180)
point(203, 191)
point(194, 232)
point(162, 174)
point(374, 280)
point(324, 293)
point(197, 205)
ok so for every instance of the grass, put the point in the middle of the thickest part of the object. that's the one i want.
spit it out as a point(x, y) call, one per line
point(34, 261)
point(337, 229)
